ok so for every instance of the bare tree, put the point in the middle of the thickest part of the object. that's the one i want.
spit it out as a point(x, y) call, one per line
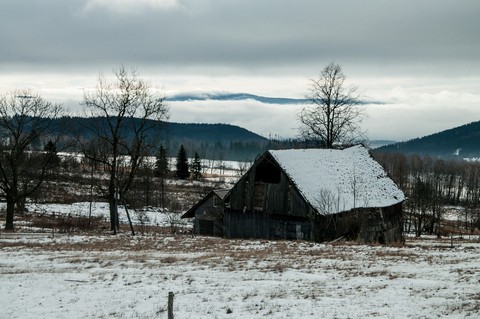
point(25, 120)
point(125, 111)
point(243, 167)
point(335, 113)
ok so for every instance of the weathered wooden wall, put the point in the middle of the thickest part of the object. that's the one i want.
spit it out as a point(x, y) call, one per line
point(382, 225)
point(239, 224)
point(366, 225)
point(208, 218)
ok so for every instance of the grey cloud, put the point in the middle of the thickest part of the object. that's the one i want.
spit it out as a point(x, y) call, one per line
point(243, 34)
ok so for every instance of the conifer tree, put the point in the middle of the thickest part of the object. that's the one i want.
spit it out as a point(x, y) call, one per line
point(182, 164)
point(196, 167)
point(161, 163)
point(161, 170)
point(50, 150)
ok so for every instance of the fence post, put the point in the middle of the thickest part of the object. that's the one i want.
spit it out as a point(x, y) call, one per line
point(170, 305)
point(53, 226)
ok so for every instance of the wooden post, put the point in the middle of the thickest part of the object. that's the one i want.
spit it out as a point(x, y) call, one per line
point(170, 305)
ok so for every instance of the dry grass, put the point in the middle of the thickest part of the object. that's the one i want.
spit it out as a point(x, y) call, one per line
point(236, 255)
point(396, 254)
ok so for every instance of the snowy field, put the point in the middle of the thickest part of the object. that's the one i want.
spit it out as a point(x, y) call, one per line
point(130, 277)
point(148, 216)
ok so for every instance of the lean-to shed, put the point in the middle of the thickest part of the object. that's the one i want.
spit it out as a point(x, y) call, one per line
point(208, 213)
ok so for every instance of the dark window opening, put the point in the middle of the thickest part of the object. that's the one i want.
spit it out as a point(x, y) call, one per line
point(267, 172)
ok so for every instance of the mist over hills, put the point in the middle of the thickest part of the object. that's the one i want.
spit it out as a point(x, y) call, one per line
point(183, 97)
point(456, 143)
point(222, 96)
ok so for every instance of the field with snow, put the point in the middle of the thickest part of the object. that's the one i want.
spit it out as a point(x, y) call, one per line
point(107, 276)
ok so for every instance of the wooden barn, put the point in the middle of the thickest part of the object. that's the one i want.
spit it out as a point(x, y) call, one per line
point(208, 213)
point(315, 194)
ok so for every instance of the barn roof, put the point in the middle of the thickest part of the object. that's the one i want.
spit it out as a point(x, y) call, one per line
point(333, 180)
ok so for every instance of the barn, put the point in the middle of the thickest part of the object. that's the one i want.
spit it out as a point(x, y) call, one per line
point(317, 195)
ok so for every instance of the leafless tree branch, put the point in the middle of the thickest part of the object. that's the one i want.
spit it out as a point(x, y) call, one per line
point(335, 113)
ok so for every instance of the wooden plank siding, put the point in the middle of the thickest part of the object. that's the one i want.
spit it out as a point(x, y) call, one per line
point(373, 225)
point(367, 225)
point(209, 217)
point(262, 225)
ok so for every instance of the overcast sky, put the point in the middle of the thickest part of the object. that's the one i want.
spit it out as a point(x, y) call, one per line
point(420, 58)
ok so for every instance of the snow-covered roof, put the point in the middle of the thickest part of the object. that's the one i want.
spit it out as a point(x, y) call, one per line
point(333, 181)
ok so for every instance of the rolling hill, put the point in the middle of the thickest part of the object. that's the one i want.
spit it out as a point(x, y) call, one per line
point(459, 142)
point(209, 140)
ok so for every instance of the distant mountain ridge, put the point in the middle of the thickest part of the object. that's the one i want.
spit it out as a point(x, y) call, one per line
point(215, 96)
point(459, 142)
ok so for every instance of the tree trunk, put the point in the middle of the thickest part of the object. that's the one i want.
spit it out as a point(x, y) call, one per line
point(112, 199)
point(10, 212)
point(128, 214)
point(147, 190)
point(163, 193)
point(112, 204)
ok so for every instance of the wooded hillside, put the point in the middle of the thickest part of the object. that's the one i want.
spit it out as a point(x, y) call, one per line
point(459, 142)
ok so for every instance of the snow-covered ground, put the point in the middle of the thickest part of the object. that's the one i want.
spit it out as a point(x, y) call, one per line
point(149, 216)
point(130, 277)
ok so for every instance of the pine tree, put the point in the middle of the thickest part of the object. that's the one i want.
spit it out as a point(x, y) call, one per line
point(196, 167)
point(50, 147)
point(182, 164)
point(161, 163)
point(51, 155)
point(161, 170)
